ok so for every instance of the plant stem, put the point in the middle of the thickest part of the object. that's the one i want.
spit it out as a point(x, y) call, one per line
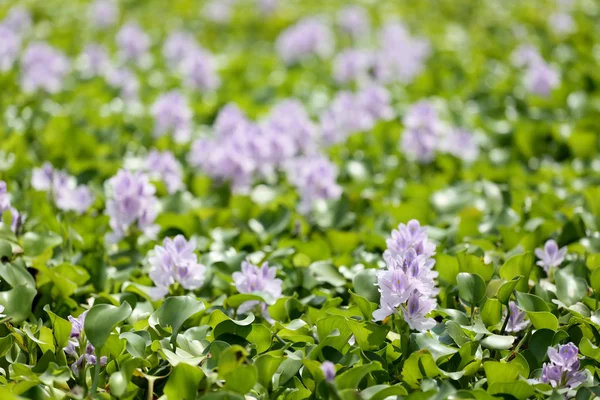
point(96, 375)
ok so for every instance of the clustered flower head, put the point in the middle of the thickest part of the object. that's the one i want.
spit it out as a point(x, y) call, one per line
point(175, 262)
point(540, 77)
point(94, 61)
point(18, 20)
point(125, 80)
point(354, 20)
point(43, 68)
point(517, 319)
point(68, 195)
point(314, 177)
point(165, 167)
point(425, 134)
point(308, 37)
point(104, 13)
point(10, 44)
point(350, 112)
point(550, 255)
point(172, 113)
point(5, 205)
point(407, 284)
point(563, 368)
point(131, 201)
point(133, 41)
point(77, 341)
point(257, 279)
point(352, 65)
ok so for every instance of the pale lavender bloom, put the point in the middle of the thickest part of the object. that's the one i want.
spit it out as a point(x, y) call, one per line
point(176, 261)
point(43, 68)
point(199, 71)
point(354, 20)
point(126, 81)
point(541, 79)
point(41, 178)
point(131, 200)
point(376, 101)
point(562, 23)
point(268, 6)
point(461, 144)
point(228, 119)
point(410, 236)
point(10, 44)
point(290, 126)
point(328, 370)
point(423, 131)
point(75, 340)
point(253, 279)
point(218, 11)
point(563, 368)
point(18, 20)
point(315, 179)
point(104, 13)
point(308, 37)
point(94, 61)
point(344, 116)
point(525, 55)
point(416, 310)
point(164, 166)
point(77, 324)
point(68, 195)
point(517, 319)
point(4, 198)
point(133, 41)
point(1, 311)
point(178, 47)
point(172, 113)
point(351, 65)
point(550, 256)
point(395, 288)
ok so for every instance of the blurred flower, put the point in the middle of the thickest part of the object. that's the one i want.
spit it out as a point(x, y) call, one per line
point(4, 198)
point(172, 113)
point(308, 37)
point(525, 55)
point(345, 115)
point(68, 195)
point(10, 44)
point(5, 205)
point(131, 200)
point(43, 68)
point(351, 65)
point(422, 133)
point(376, 101)
point(354, 20)
point(461, 144)
point(178, 47)
point(228, 119)
point(409, 236)
point(126, 81)
point(257, 279)
point(218, 11)
point(76, 337)
point(563, 368)
point(133, 41)
point(328, 370)
point(541, 78)
point(315, 178)
point(199, 71)
point(175, 261)
point(18, 20)
point(164, 166)
point(104, 13)
point(550, 256)
point(1, 311)
point(516, 319)
point(268, 6)
point(94, 61)
point(289, 129)
point(562, 23)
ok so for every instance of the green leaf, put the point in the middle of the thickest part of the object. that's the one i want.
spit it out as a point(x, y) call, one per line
point(326, 273)
point(61, 328)
point(447, 267)
point(474, 265)
point(531, 302)
point(266, 365)
point(365, 285)
point(498, 342)
point(471, 288)
point(242, 379)
point(351, 378)
point(183, 382)
point(519, 389)
point(491, 312)
point(35, 244)
point(102, 319)
point(174, 312)
point(506, 289)
point(17, 302)
point(569, 289)
point(518, 265)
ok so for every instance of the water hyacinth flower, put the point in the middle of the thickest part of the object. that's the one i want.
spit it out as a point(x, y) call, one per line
point(315, 178)
point(43, 68)
point(175, 262)
point(517, 319)
point(377, 102)
point(423, 131)
point(126, 81)
point(131, 201)
point(409, 236)
point(5, 205)
point(525, 55)
point(257, 279)
point(541, 79)
point(308, 37)
point(288, 125)
point(461, 144)
point(10, 44)
point(172, 113)
point(165, 167)
point(18, 20)
point(199, 71)
point(328, 370)
point(354, 20)
point(550, 255)
point(2, 311)
point(133, 42)
point(562, 23)
point(76, 340)
point(177, 47)
point(218, 11)
point(68, 195)
point(104, 13)
point(94, 61)
point(351, 65)
point(563, 368)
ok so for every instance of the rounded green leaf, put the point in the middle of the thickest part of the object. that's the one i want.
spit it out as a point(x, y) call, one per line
point(175, 311)
point(102, 319)
point(471, 288)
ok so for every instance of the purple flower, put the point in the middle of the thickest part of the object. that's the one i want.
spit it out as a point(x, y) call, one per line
point(43, 68)
point(525, 55)
point(133, 42)
point(18, 20)
point(354, 20)
point(175, 261)
point(562, 23)
point(351, 65)
point(94, 61)
point(218, 11)
point(268, 7)
point(177, 47)
point(410, 236)
point(126, 81)
point(308, 37)
point(172, 113)
point(10, 44)
point(41, 178)
point(104, 13)
point(461, 144)
point(290, 130)
point(344, 116)
point(164, 166)
point(516, 319)
point(315, 178)
point(77, 324)
point(68, 195)
point(328, 370)
point(228, 120)
point(253, 279)
point(541, 79)
point(131, 200)
point(423, 131)
point(76, 339)
point(414, 313)
point(376, 101)
point(550, 256)
point(5, 205)
point(199, 71)
point(563, 368)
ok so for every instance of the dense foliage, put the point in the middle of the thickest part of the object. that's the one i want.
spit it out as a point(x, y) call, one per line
point(299, 199)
